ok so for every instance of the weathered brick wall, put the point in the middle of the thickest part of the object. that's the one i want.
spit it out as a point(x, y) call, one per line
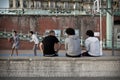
point(24, 45)
point(41, 23)
point(4, 44)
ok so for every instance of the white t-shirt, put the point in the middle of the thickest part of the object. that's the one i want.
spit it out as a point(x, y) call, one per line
point(34, 39)
point(72, 45)
point(92, 45)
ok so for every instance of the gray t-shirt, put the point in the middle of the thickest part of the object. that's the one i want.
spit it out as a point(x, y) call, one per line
point(72, 45)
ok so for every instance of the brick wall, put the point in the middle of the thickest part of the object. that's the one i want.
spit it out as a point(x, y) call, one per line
point(41, 23)
point(4, 44)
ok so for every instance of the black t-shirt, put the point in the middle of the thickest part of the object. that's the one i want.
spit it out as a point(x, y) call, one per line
point(48, 44)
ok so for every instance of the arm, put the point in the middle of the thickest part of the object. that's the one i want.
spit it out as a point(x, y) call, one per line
point(32, 38)
point(87, 45)
point(10, 39)
point(57, 46)
point(41, 47)
point(66, 44)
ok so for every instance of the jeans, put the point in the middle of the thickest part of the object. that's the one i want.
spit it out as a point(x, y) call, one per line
point(35, 49)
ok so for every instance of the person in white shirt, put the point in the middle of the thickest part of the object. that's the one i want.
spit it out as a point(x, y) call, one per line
point(92, 45)
point(72, 44)
point(35, 40)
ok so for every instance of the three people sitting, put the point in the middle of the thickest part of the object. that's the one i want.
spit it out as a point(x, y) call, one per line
point(50, 45)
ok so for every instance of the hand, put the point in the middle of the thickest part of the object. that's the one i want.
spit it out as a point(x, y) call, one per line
point(10, 40)
point(56, 51)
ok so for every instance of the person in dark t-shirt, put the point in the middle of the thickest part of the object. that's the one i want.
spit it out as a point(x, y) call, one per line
point(50, 45)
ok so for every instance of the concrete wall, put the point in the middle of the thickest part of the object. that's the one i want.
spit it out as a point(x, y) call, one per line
point(60, 67)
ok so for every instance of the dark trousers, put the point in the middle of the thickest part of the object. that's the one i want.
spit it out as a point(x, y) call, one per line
point(35, 49)
point(51, 55)
point(73, 56)
point(86, 54)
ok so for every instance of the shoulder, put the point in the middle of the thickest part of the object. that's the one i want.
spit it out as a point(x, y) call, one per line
point(96, 39)
point(47, 37)
point(88, 38)
point(54, 37)
point(34, 35)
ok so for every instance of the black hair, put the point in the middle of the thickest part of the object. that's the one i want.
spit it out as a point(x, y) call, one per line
point(51, 31)
point(15, 31)
point(70, 31)
point(31, 32)
point(90, 33)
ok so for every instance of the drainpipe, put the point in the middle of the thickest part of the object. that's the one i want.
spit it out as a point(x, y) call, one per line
point(109, 25)
point(101, 52)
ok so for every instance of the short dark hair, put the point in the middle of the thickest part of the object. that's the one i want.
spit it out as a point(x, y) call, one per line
point(15, 31)
point(70, 31)
point(51, 31)
point(90, 33)
point(31, 32)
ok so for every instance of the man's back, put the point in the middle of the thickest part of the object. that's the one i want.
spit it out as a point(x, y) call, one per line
point(73, 45)
point(48, 44)
point(93, 46)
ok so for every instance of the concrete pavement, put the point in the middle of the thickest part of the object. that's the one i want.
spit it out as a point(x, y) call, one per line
point(61, 53)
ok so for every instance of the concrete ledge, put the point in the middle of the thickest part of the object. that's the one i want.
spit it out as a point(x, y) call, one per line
point(60, 67)
point(38, 58)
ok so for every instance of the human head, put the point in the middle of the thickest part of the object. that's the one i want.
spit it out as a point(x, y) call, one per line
point(14, 32)
point(90, 33)
point(70, 31)
point(31, 32)
point(52, 33)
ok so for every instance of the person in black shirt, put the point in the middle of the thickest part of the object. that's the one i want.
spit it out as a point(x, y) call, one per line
point(50, 45)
